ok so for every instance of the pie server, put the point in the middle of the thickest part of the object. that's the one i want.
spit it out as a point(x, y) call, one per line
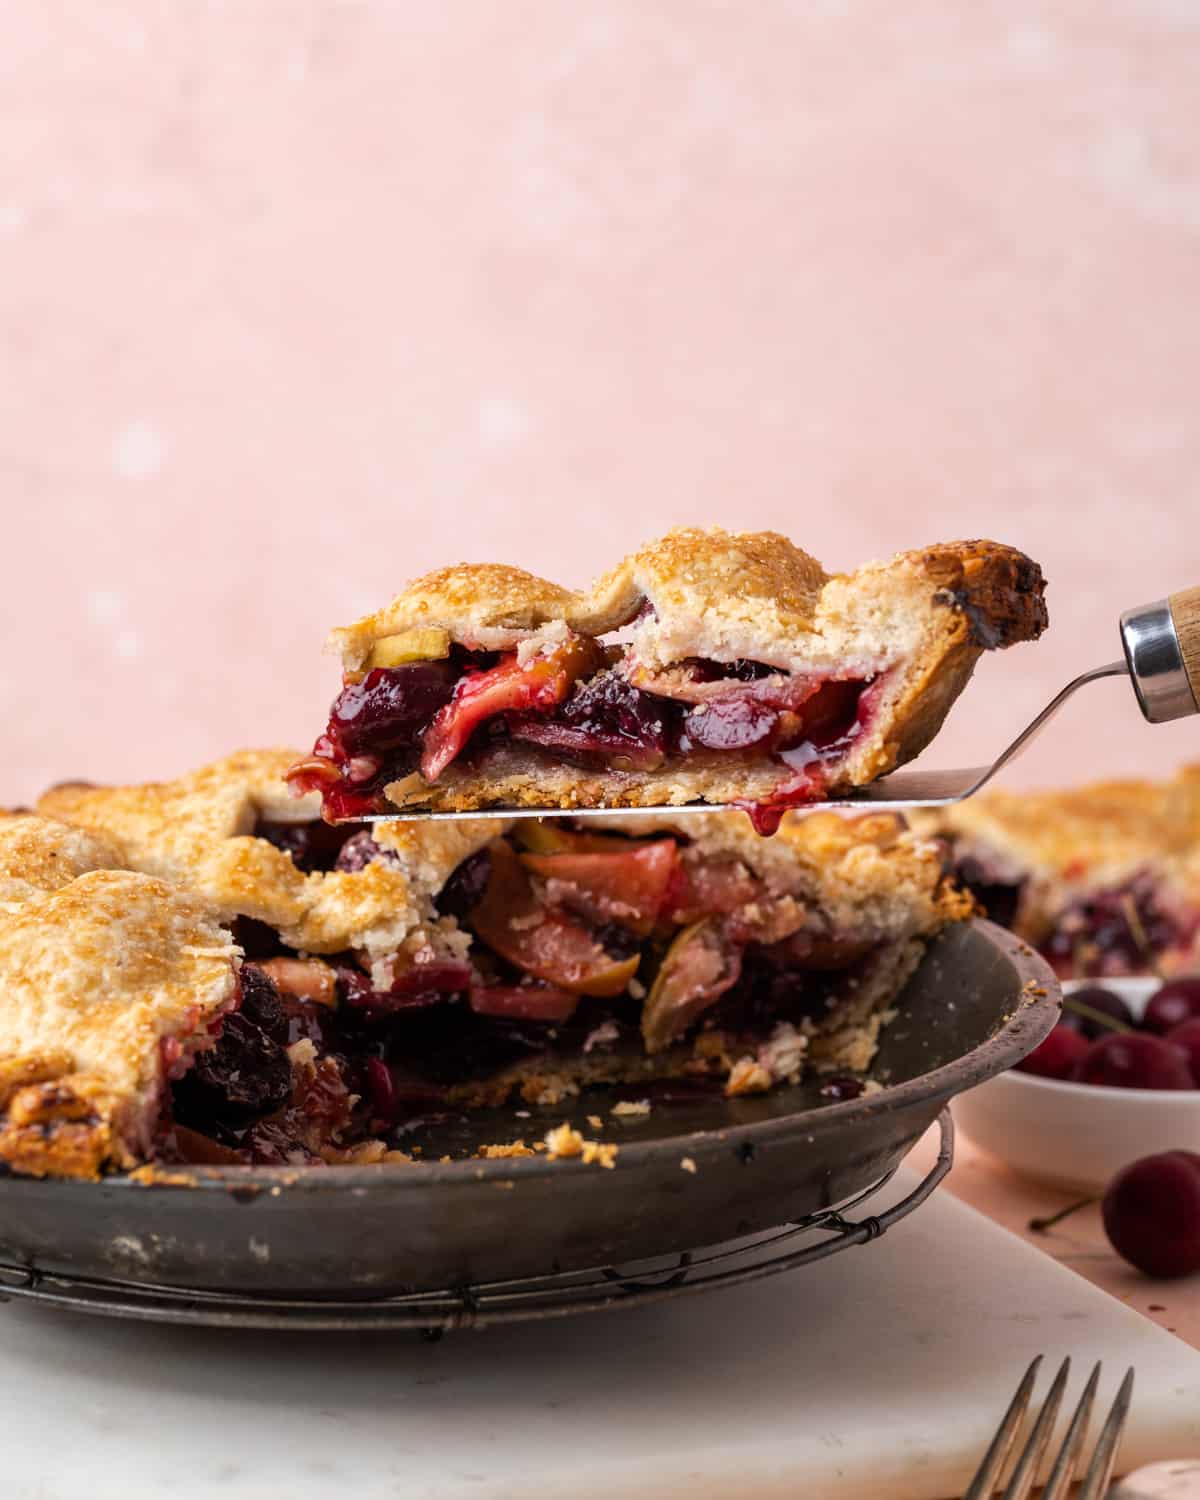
point(1161, 644)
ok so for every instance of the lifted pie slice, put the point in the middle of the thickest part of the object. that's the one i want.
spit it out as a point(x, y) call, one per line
point(707, 667)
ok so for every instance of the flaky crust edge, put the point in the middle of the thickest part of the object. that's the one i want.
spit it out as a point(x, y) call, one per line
point(97, 974)
point(494, 606)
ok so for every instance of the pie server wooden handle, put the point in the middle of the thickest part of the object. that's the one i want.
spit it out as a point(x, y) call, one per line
point(1162, 649)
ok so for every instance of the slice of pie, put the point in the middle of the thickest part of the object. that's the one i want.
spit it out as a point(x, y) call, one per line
point(112, 984)
point(709, 667)
point(416, 967)
point(1103, 879)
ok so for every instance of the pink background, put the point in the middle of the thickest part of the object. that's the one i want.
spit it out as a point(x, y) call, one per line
point(300, 299)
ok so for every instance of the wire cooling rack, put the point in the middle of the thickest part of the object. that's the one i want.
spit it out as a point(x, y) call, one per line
point(433, 1313)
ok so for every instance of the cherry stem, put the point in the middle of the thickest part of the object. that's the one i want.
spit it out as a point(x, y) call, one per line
point(1090, 1013)
point(1040, 1226)
point(1137, 928)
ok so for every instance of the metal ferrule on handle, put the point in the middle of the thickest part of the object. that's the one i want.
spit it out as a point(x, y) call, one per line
point(1162, 649)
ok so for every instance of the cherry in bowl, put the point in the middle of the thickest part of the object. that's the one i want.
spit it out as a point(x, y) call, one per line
point(1175, 1002)
point(1093, 1010)
point(1134, 1060)
point(1058, 1055)
point(1186, 1037)
point(1058, 1130)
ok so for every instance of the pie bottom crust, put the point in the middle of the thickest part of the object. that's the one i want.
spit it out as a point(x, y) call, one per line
point(525, 777)
point(845, 1042)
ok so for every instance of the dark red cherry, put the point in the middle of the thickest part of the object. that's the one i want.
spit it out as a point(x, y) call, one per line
point(1187, 1037)
point(1058, 1055)
point(312, 846)
point(390, 706)
point(735, 724)
point(1151, 1213)
point(838, 1089)
point(465, 888)
point(1133, 1060)
point(1094, 997)
point(361, 850)
point(261, 1003)
point(245, 1075)
point(1177, 1001)
point(605, 715)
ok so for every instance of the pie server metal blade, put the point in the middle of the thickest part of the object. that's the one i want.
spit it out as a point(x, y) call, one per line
point(1161, 643)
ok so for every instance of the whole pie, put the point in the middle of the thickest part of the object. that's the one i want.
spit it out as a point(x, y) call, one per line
point(391, 970)
point(708, 667)
point(1103, 879)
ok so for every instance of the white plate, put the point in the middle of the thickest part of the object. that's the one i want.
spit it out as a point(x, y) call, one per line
point(1075, 1135)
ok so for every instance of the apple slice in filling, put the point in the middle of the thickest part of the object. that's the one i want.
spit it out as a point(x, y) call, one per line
point(539, 940)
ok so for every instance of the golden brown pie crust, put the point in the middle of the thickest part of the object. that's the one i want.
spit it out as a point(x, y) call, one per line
point(199, 832)
point(98, 972)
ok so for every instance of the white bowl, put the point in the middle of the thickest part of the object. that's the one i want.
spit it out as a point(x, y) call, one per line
point(1075, 1135)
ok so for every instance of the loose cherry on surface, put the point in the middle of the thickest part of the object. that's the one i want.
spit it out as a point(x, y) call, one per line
point(1177, 1001)
point(1151, 1213)
point(1134, 1060)
point(1187, 1037)
point(1095, 997)
point(1058, 1055)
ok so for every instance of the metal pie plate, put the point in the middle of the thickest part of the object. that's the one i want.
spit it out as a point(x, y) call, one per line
point(979, 1002)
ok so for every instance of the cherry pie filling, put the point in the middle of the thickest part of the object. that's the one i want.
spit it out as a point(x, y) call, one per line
point(582, 703)
point(1123, 929)
point(584, 946)
point(997, 892)
point(1111, 931)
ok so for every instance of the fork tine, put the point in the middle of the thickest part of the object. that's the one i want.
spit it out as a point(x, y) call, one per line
point(1022, 1477)
point(1100, 1469)
point(994, 1459)
point(1065, 1464)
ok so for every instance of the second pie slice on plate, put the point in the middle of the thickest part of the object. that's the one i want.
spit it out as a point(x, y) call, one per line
point(709, 667)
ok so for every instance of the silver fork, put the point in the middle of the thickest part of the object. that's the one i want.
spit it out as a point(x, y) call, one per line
point(1024, 1474)
point(1161, 644)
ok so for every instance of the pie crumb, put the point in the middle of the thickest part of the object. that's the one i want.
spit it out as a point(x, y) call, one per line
point(747, 1077)
point(631, 1109)
point(512, 1148)
point(155, 1176)
point(687, 1164)
point(564, 1140)
point(595, 1121)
